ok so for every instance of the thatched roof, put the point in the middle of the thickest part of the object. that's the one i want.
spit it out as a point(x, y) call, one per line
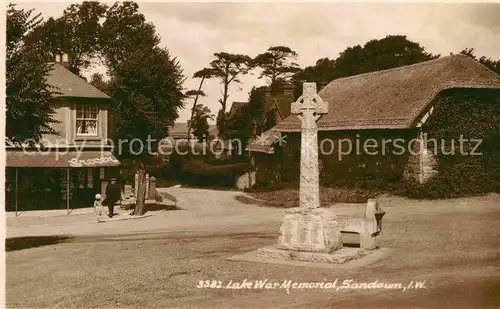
point(395, 98)
point(71, 85)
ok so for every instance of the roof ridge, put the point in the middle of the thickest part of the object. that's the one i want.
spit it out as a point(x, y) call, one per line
point(55, 65)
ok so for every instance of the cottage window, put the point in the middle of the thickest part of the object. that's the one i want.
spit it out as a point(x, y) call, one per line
point(86, 120)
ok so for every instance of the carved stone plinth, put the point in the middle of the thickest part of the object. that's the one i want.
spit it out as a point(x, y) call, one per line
point(312, 230)
point(340, 256)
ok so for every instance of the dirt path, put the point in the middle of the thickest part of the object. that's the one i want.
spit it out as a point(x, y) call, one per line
point(212, 211)
point(200, 210)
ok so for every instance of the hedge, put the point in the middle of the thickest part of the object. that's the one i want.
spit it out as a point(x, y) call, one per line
point(473, 114)
point(200, 173)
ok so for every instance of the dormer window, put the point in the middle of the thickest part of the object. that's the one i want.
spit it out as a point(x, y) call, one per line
point(86, 119)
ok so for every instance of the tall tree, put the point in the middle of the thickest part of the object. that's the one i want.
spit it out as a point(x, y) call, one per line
point(195, 94)
point(77, 33)
point(389, 52)
point(321, 73)
point(227, 68)
point(240, 126)
point(146, 85)
point(123, 31)
point(256, 100)
point(244, 124)
point(491, 64)
point(277, 65)
point(97, 80)
point(29, 111)
point(147, 91)
point(199, 121)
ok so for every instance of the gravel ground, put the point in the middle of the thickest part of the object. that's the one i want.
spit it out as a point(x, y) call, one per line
point(453, 245)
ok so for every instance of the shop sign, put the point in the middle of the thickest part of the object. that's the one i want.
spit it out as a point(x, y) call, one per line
point(92, 162)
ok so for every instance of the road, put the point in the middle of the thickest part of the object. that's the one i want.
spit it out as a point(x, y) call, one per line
point(452, 245)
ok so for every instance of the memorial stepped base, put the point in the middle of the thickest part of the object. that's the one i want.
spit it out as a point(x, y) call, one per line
point(339, 256)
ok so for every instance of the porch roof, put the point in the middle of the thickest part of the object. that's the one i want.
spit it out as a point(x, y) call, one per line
point(60, 159)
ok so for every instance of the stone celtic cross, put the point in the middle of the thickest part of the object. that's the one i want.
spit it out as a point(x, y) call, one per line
point(309, 108)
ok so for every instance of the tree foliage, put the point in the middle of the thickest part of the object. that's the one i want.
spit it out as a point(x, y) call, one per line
point(123, 31)
point(244, 125)
point(148, 91)
point(97, 80)
point(389, 52)
point(146, 84)
point(29, 110)
point(487, 62)
point(227, 68)
point(240, 127)
point(195, 94)
point(77, 33)
point(199, 122)
point(277, 65)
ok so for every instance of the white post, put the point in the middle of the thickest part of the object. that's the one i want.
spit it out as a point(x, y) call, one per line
point(67, 191)
point(16, 190)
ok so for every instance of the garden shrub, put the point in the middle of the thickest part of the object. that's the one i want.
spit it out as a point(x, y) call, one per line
point(200, 173)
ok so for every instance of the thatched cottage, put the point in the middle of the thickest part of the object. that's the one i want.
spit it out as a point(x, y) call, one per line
point(384, 105)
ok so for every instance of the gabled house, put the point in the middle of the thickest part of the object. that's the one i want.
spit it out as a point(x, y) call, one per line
point(276, 108)
point(72, 166)
point(235, 108)
point(383, 105)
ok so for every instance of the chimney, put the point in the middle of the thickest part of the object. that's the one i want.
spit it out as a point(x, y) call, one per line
point(288, 89)
point(63, 60)
point(267, 93)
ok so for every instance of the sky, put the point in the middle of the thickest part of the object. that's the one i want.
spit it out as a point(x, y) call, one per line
point(193, 32)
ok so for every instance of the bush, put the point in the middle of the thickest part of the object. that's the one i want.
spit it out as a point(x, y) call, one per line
point(181, 157)
point(200, 173)
point(230, 160)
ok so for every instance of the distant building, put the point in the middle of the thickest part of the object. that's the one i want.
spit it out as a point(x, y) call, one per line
point(277, 108)
point(235, 108)
point(179, 131)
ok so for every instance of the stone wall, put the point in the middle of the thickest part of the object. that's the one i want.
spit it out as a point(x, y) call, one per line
point(422, 165)
point(245, 181)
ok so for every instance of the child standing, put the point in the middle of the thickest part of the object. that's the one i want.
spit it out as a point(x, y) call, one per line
point(98, 208)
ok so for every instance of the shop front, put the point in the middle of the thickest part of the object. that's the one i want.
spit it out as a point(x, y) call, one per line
point(55, 180)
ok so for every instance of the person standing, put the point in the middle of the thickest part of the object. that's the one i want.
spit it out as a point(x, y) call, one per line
point(98, 207)
point(113, 194)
